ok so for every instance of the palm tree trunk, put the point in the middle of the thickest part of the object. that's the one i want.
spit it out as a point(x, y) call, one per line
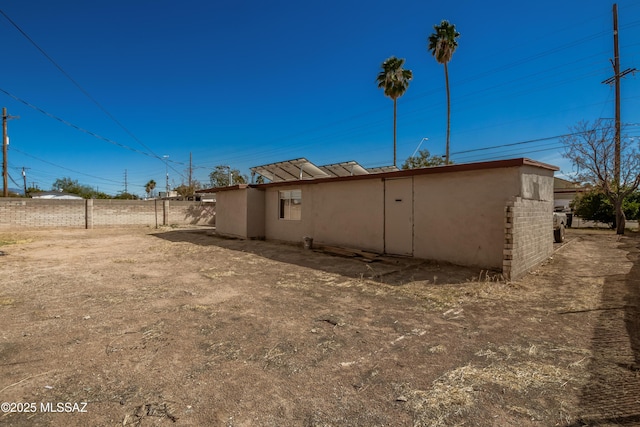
point(446, 79)
point(395, 115)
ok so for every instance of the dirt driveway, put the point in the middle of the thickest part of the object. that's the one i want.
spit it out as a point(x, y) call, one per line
point(139, 327)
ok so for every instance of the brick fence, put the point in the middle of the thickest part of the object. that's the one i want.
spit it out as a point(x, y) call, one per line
point(27, 213)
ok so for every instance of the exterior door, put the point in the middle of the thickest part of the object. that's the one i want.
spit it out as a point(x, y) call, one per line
point(398, 216)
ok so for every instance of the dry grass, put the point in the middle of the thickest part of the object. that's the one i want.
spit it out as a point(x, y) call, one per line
point(14, 240)
point(513, 373)
point(6, 301)
point(457, 392)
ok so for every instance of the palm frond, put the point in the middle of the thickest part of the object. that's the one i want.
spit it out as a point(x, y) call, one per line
point(393, 78)
point(443, 41)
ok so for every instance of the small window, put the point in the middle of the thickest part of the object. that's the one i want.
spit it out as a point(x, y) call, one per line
point(290, 204)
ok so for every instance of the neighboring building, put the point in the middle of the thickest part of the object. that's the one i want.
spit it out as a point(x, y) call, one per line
point(564, 192)
point(171, 195)
point(58, 195)
point(495, 215)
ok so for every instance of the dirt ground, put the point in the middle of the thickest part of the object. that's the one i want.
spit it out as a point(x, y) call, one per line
point(142, 327)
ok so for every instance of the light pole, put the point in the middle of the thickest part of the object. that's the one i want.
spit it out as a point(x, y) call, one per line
point(230, 177)
point(166, 164)
point(418, 147)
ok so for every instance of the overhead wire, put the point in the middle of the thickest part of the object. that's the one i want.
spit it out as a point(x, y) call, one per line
point(63, 167)
point(359, 129)
point(85, 92)
point(79, 128)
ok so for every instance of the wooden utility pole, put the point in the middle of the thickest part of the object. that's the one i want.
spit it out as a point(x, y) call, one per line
point(615, 79)
point(5, 173)
point(5, 149)
point(616, 72)
point(190, 168)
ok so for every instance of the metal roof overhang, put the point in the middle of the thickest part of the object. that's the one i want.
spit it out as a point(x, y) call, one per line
point(290, 170)
point(383, 169)
point(344, 169)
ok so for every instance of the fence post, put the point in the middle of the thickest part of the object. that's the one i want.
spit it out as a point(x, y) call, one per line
point(88, 214)
point(165, 212)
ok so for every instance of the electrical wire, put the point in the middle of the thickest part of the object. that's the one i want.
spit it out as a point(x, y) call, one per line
point(63, 167)
point(359, 129)
point(68, 76)
point(81, 129)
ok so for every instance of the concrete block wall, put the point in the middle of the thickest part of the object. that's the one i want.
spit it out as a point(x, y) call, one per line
point(114, 213)
point(20, 213)
point(528, 236)
point(27, 213)
point(190, 213)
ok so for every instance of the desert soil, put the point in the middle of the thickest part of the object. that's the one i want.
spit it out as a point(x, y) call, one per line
point(178, 327)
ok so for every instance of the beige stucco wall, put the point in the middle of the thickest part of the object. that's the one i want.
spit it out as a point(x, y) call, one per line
point(346, 213)
point(459, 216)
point(487, 217)
point(255, 213)
point(241, 213)
point(231, 215)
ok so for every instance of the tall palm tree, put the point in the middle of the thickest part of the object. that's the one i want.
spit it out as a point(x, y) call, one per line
point(442, 43)
point(394, 80)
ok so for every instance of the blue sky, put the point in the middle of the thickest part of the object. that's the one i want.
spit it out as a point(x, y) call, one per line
point(247, 83)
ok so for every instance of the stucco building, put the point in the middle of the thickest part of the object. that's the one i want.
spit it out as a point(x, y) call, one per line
point(495, 215)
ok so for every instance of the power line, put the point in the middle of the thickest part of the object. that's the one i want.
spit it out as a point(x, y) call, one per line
point(81, 129)
point(65, 168)
point(68, 76)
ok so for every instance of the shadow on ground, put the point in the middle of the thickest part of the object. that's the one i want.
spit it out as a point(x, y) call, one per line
point(389, 270)
point(612, 396)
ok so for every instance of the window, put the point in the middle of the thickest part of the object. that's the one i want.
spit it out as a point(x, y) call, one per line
point(290, 204)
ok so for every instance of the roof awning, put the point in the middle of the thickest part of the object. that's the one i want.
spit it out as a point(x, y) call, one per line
point(290, 170)
point(383, 169)
point(301, 169)
point(344, 169)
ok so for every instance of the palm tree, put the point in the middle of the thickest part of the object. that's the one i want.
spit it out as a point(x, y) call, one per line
point(149, 186)
point(395, 81)
point(442, 43)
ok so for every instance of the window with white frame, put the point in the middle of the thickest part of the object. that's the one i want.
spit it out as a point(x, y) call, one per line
point(290, 205)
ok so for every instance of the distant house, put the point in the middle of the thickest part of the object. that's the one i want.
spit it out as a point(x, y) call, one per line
point(495, 215)
point(564, 192)
point(58, 195)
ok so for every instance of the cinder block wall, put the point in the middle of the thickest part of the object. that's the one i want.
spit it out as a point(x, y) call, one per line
point(190, 213)
point(528, 236)
point(42, 213)
point(114, 213)
point(27, 213)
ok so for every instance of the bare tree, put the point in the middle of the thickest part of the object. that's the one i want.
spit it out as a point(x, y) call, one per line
point(591, 149)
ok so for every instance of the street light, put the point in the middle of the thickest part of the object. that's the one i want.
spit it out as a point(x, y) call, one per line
point(229, 170)
point(166, 164)
point(418, 147)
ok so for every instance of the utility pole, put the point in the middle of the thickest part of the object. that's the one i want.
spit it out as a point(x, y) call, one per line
point(166, 167)
point(125, 181)
point(24, 178)
point(616, 75)
point(615, 79)
point(5, 166)
point(5, 148)
point(190, 168)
